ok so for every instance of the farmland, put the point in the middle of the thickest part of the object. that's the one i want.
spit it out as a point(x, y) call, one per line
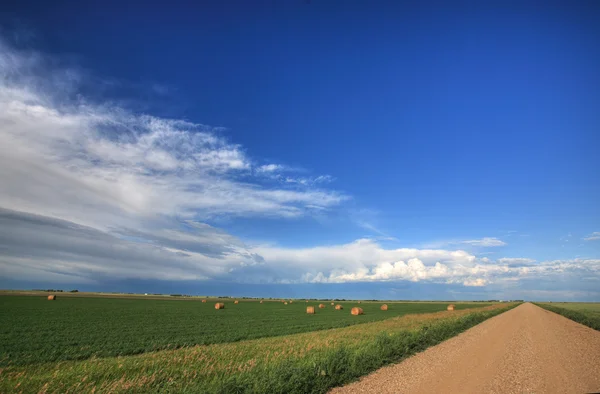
point(307, 361)
point(586, 313)
point(75, 328)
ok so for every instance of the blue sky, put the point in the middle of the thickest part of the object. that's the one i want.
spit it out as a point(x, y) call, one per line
point(384, 150)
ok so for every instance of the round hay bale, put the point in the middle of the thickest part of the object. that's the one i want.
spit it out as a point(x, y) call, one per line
point(285, 303)
point(310, 310)
point(450, 307)
point(321, 306)
point(236, 302)
point(338, 307)
point(333, 303)
point(384, 307)
point(219, 305)
point(261, 301)
point(51, 297)
point(359, 302)
point(291, 301)
point(204, 301)
point(357, 311)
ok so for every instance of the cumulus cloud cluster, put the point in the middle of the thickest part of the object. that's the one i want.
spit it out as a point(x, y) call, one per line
point(91, 191)
point(42, 248)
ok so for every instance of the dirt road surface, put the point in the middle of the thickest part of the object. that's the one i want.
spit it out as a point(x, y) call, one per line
point(524, 350)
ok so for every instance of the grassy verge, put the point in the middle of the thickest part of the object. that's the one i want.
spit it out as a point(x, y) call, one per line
point(586, 316)
point(301, 363)
point(323, 371)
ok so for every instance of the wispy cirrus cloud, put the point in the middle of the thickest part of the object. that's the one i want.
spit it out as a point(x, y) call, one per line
point(485, 242)
point(383, 236)
point(84, 162)
point(91, 191)
point(286, 176)
point(307, 181)
point(134, 186)
point(269, 168)
point(595, 236)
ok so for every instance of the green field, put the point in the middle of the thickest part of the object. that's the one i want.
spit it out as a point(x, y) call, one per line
point(587, 313)
point(591, 308)
point(73, 328)
point(307, 362)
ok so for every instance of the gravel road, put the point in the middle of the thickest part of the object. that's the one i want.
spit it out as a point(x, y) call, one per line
point(524, 350)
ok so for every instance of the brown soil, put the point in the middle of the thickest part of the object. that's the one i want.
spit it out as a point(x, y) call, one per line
point(525, 350)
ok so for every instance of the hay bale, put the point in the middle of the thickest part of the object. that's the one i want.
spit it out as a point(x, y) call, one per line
point(285, 303)
point(384, 307)
point(261, 301)
point(310, 310)
point(450, 307)
point(51, 297)
point(359, 302)
point(219, 305)
point(236, 302)
point(321, 306)
point(357, 311)
point(333, 303)
point(291, 301)
point(339, 307)
point(204, 301)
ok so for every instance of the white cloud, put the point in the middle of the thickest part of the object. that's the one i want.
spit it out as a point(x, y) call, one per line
point(479, 282)
point(485, 242)
point(482, 242)
point(321, 179)
point(280, 173)
point(365, 260)
point(127, 182)
point(516, 261)
point(40, 247)
point(270, 168)
point(593, 236)
point(93, 191)
point(104, 166)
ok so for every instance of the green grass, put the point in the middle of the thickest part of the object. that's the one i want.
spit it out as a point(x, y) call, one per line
point(586, 313)
point(35, 330)
point(311, 362)
point(321, 372)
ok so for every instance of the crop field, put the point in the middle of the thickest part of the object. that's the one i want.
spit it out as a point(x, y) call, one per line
point(309, 361)
point(74, 328)
point(591, 308)
point(587, 313)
